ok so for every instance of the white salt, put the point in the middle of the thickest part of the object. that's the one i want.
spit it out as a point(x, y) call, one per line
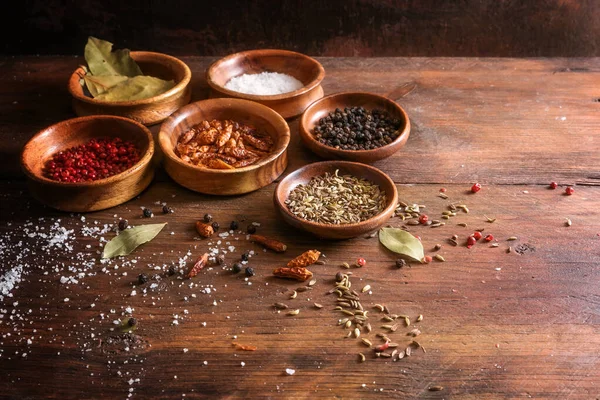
point(265, 83)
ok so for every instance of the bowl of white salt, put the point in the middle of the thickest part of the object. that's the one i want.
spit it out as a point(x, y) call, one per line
point(286, 81)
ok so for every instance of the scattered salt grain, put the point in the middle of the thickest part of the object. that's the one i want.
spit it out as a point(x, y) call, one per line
point(290, 371)
point(265, 83)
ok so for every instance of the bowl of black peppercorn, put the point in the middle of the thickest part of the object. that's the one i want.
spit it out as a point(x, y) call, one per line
point(354, 126)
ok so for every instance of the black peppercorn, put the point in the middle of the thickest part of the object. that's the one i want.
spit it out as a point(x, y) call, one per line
point(215, 226)
point(237, 267)
point(400, 263)
point(132, 322)
point(172, 270)
point(251, 229)
point(245, 256)
point(147, 213)
point(249, 271)
point(123, 224)
point(220, 259)
point(339, 276)
point(207, 218)
point(167, 210)
point(143, 278)
point(233, 226)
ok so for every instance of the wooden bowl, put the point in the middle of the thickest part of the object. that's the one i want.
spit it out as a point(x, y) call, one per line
point(327, 231)
point(232, 181)
point(369, 101)
point(146, 111)
point(95, 195)
point(306, 69)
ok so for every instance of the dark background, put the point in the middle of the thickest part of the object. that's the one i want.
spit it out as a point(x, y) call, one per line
point(321, 28)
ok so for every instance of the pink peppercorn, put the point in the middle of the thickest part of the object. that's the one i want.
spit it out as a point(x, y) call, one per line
point(569, 191)
point(361, 262)
point(489, 238)
point(553, 185)
point(477, 235)
point(443, 190)
point(423, 218)
point(476, 187)
point(427, 259)
point(471, 241)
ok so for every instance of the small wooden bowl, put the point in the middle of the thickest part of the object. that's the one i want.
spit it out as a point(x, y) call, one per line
point(232, 181)
point(304, 68)
point(146, 111)
point(326, 231)
point(95, 195)
point(369, 101)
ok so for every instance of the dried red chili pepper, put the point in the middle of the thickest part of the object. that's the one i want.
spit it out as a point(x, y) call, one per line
point(198, 265)
point(489, 238)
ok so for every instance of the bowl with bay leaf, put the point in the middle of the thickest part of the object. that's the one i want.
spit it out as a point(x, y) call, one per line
point(336, 199)
point(144, 86)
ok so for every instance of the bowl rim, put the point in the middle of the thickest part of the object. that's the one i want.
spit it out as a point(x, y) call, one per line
point(178, 88)
point(169, 152)
point(308, 136)
point(143, 161)
point(261, 97)
point(393, 202)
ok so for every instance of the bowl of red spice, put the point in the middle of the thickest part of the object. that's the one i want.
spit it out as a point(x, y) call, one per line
point(89, 163)
point(283, 80)
point(354, 126)
point(224, 146)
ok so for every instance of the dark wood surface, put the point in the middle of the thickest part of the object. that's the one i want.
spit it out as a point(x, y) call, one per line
point(496, 325)
point(364, 28)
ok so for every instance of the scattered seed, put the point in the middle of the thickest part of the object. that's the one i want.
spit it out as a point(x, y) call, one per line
point(280, 306)
point(401, 355)
point(453, 242)
point(568, 222)
point(387, 318)
point(293, 295)
point(366, 288)
point(356, 332)
point(408, 351)
point(462, 224)
point(386, 355)
point(361, 357)
point(439, 257)
point(348, 324)
point(293, 312)
point(317, 305)
point(418, 345)
point(495, 245)
point(512, 238)
point(347, 312)
point(345, 265)
point(490, 220)
point(420, 318)
point(349, 334)
point(442, 195)
point(413, 222)
point(320, 262)
point(303, 289)
point(379, 307)
point(366, 342)
point(393, 345)
point(436, 388)
point(414, 333)
point(406, 321)
point(391, 328)
point(509, 249)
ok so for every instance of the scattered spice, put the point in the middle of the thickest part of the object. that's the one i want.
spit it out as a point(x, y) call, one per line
point(366, 288)
point(427, 259)
point(420, 318)
point(233, 225)
point(167, 210)
point(356, 128)
point(569, 191)
point(334, 199)
point(471, 241)
point(205, 230)
point(251, 229)
point(293, 312)
point(143, 278)
point(305, 259)
point(512, 238)
point(271, 244)
point(361, 262)
point(147, 213)
point(200, 263)
point(132, 322)
point(236, 268)
point(224, 144)
point(244, 347)
point(123, 224)
point(215, 226)
point(553, 185)
point(568, 222)
point(423, 218)
point(436, 388)
point(207, 218)
point(477, 235)
point(439, 257)
point(280, 306)
point(400, 263)
point(476, 187)
point(297, 273)
point(250, 271)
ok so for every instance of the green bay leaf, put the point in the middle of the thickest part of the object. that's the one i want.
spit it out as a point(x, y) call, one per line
point(136, 88)
point(401, 242)
point(100, 84)
point(101, 60)
point(128, 240)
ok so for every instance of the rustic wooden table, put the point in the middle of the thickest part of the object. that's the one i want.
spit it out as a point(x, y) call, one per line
point(524, 324)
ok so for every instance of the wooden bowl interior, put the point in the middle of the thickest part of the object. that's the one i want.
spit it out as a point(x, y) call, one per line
point(245, 112)
point(67, 134)
point(154, 64)
point(304, 174)
point(328, 104)
point(301, 67)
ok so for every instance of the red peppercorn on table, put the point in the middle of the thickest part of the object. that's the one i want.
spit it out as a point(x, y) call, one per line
point(520, 320)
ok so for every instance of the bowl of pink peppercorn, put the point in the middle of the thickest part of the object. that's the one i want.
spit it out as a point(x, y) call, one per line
point(89, 163)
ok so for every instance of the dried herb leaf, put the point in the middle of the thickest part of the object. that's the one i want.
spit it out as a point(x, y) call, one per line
point(101, 60)
point(136, 88)
point(402, 242)
point(130, 239)
point(100, 84)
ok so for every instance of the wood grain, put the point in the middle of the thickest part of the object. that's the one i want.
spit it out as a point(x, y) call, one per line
point(495, 325)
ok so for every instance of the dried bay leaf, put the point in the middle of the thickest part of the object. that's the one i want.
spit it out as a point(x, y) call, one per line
point(101, 60)
point(402, 242)
point(128, 240)
point(100, 84)
point(136, 88)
